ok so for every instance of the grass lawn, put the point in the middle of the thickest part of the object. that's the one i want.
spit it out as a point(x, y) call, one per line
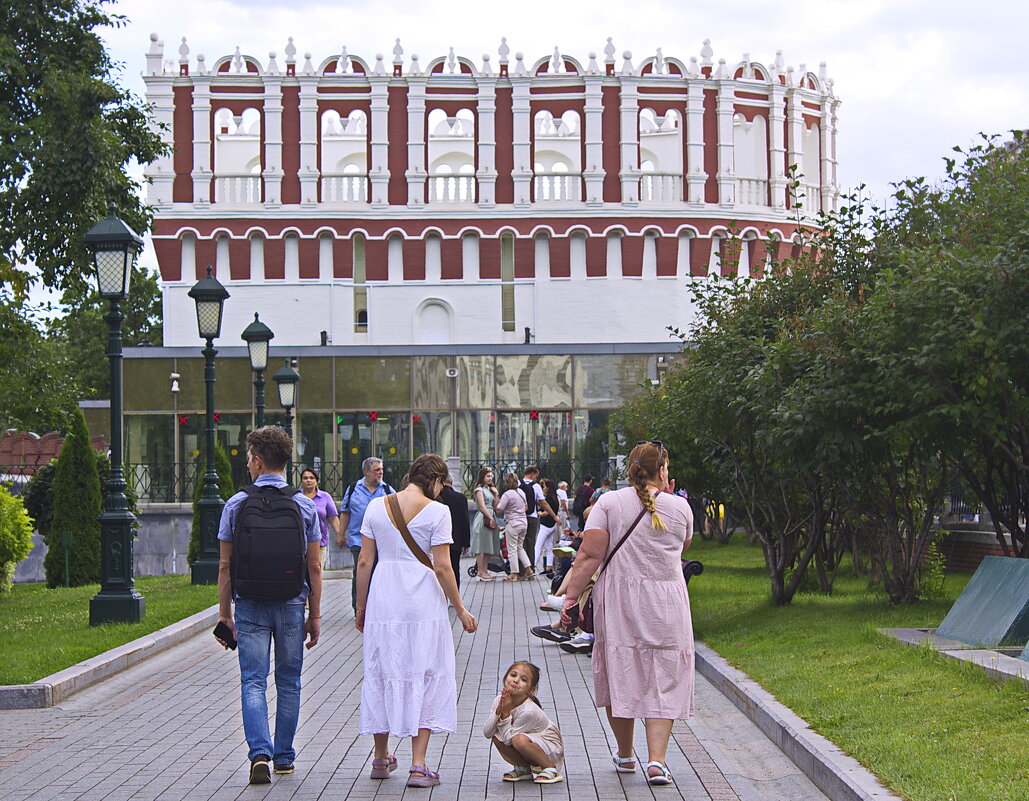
point(929, 728)
point(43, 631)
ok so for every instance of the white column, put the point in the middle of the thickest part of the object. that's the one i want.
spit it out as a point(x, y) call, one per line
point(830, 188)
point(522, 172)
point(486, 136)
point(726, 145)
point(593, 169)
point(309, 141)
point(696, 177)
point(795, 135)
point(628, 142)
point(201, 140)
point(272, 174)
point(161, 172)
point(378, 172)
point(776, 144)
point(416, 172)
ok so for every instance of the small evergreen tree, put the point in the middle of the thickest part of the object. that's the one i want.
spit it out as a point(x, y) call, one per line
point(226, 490)
point(76, 508)
point(15, 536)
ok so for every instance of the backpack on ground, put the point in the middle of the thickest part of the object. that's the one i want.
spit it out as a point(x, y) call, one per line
point(582, 499)
point(344, 504)
point(528, 490)
point(269, 546)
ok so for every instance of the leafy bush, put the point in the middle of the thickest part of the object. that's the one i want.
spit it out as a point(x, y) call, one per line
point(15, 536)
point(38, 497)
point(76, 508)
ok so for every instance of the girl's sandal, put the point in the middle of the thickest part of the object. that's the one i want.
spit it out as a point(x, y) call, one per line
point(664, 777)
point(428, 778)
point(518, 774)
point(624, 764)
point(548, 776)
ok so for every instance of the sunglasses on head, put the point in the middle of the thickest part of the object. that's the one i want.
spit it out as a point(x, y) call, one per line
point(659, 443)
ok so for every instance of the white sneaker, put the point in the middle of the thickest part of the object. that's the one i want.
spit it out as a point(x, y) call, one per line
point(556, 602)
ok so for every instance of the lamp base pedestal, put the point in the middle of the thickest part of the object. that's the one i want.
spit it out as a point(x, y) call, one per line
point(204, 571)
point(116, 607)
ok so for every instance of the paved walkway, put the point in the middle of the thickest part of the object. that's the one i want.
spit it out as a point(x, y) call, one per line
point(170, 728)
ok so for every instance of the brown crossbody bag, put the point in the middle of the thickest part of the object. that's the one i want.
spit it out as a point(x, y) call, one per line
point(401, 524)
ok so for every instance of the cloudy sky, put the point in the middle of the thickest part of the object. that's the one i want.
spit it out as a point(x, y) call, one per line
point(916, 77)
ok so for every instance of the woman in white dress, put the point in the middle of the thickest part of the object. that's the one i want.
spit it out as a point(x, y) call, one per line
point(409, 689)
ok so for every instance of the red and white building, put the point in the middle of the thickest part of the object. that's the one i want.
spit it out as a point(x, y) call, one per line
point(400, 201)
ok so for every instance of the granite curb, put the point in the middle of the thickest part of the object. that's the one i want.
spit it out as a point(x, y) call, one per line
point(835, 773)
point(52, 689)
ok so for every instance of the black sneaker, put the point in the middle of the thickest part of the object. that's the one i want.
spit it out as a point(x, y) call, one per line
point(284, 767)
point(578, 645)
point(260, 770)
point(550, 634)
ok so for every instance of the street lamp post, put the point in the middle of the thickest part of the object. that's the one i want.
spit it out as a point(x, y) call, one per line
point(209, 296)
point(287, 378)
point(257, 336)
point(114, 247)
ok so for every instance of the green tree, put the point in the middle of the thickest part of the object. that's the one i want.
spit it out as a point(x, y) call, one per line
point(37, 386)
point(15, 536)
point(76, 508)
point(226, 490)
point(67, 131)
point(82, 332)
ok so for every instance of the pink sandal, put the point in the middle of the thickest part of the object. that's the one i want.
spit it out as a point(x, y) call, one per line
point(428, 778)
point(381, 768)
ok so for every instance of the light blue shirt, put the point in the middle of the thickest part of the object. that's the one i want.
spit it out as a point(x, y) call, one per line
point(356, 502)
point(312, 530)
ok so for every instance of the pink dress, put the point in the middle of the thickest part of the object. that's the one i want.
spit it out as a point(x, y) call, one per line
point(643, 653)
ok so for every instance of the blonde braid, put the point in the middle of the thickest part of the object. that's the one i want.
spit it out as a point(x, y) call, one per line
point(643, 491)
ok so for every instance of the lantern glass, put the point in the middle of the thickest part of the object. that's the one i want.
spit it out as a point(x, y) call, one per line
point(209, 318)
point(287, 394)
point(258, 350)
point(113, 265)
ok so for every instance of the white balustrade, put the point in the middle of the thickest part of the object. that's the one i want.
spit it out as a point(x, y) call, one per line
point(753, 191)
point(348, 188)
point(238, 190)
point(451, 188)
point(557, 187)
point(661, 187)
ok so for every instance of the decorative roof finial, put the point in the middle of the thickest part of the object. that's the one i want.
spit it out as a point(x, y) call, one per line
point(722, 72)
point(398, 53)
point(706, 52)
point(519, 64)
point(451, 61)
point(748, 67)
point(503, 50)
point(780, 63)
point(343, 63)
point(415, 68)
point(593, 68)
point(183, 52)
point(291, 52)
point(693, 70)
point(555, 62)
point(273, 68)
point(627, 63)
point(486, 69)
point(659, 63)
point(609, 51)
point(308, 66)
point(237, 61)
point(380, 68)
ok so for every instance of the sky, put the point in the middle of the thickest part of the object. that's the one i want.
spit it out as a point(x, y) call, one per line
point(915, 77)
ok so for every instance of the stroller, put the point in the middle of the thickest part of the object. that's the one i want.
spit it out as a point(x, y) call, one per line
point(497, 564)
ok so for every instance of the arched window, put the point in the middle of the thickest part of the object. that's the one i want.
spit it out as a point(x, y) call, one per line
point(557, 157)
point(750, 150)
point(344, 157)
point(237, 157)
point(660, 156)
point(450, 154)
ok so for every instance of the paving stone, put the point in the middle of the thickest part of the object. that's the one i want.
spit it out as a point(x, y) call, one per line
point(170, 728)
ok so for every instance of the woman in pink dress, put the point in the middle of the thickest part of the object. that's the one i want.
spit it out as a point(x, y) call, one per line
point(643, 653)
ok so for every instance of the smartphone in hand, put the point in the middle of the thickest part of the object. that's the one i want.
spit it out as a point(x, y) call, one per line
point(223, 632)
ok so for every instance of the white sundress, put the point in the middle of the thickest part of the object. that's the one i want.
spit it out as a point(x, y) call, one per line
point(409, 679)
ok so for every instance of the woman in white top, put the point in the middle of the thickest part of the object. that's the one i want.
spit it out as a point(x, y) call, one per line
point(409, 688)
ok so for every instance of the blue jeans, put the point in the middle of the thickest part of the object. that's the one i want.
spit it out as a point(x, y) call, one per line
point(258, 623)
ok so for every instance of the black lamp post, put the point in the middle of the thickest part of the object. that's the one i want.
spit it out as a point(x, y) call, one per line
point(115, 247)
point(257, 336)
point(287, 378)
point(209, 296)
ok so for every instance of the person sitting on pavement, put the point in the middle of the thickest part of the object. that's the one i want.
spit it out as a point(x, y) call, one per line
point(521, 731)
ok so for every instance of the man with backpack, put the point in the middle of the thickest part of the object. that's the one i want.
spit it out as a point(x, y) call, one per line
point(352, 508)
point(534, 501)
point(270, 565)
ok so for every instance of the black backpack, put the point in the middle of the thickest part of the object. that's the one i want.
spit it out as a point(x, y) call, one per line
point(582, 500)
point(269, 546)
point(530, 496)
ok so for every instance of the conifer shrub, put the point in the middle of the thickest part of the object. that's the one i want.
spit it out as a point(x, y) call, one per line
point(226, 490)
point(76, 508)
